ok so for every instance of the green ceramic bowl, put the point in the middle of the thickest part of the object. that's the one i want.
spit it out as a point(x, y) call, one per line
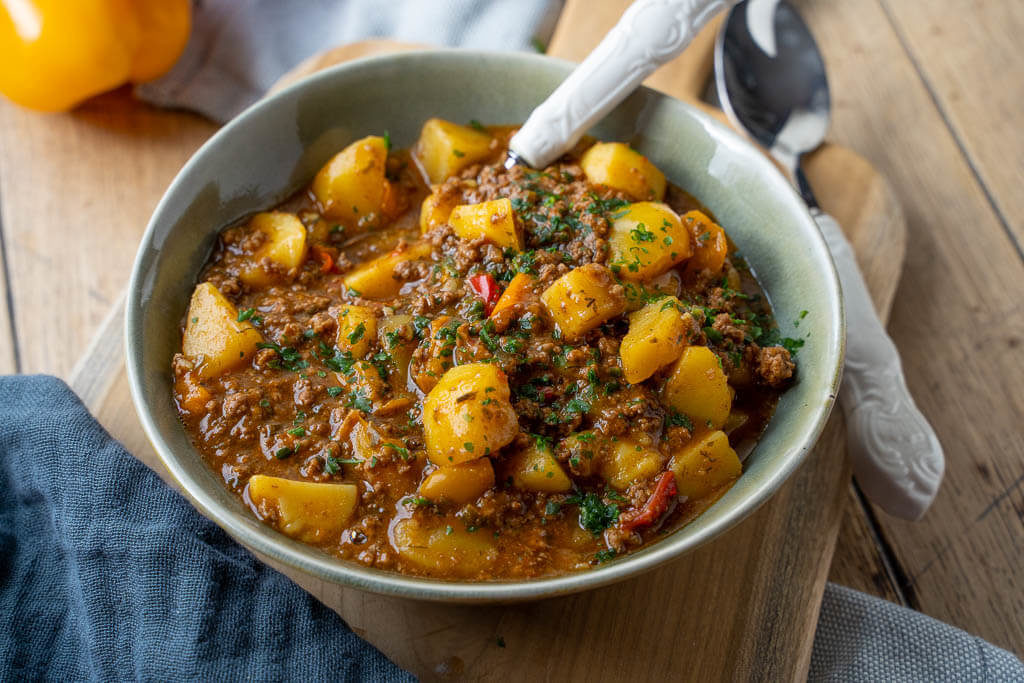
point(276, 146)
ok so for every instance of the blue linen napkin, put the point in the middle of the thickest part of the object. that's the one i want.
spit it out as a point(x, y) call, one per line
point(106, 573)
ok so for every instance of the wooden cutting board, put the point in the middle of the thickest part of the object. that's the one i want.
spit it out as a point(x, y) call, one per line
point(744, 606)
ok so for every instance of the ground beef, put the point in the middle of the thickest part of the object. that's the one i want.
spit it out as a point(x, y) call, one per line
point(304, 393)
point(323, 324)
point(774, 366)
point(729, 330)
point(240, 402)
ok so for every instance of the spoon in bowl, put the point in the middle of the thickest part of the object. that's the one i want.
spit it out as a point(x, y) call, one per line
point(771, 82)
point(649, 34)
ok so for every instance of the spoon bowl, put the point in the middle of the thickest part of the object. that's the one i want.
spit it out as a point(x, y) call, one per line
point(771, 78)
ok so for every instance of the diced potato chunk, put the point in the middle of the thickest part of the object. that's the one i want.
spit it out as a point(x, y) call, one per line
point(697, 386)
point(436, 209)
point(376, 279)
point(616, 165)
point(582, 299)
point(445, 148)
point(668, 283)
point(357, 328)
point(520, 289)
point(656, 337)
point(627, 462)
point(536, 469)
point(437, 550)
point(363, 380)
point(581, 451)
point(493, 220)
point(647, 241)
point(214, 338)
point(190, 394)
point(461, 483)
point(308, 511)
point(284, 245)
point(396, 334)
point(352, 186)
point(366, 442)
point(468, 414)
point(705, 464)
point(710, 244)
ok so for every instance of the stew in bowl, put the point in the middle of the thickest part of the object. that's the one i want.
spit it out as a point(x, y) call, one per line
point(428, 363)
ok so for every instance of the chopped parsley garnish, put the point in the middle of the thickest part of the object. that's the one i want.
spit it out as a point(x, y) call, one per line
point(357, 333)
point(339, 361)
point(599, 206)
point(577, 406)
point(674, 419)
point(284, 452)
point(713, 334)
point(595, 515)
point(334, 392)
point(402, 452)
point(288, 357)
point(602, 556)
point(359, 402)
point(246, 314)
point(641, 234)
point(420, 323)
point(331, 465)
point(792, 345)
point(297, 431)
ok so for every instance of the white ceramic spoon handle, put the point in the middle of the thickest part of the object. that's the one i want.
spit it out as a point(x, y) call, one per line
point(895, 454)
point(650, 33)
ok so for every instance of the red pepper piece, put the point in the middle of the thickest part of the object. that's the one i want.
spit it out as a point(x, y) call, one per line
point(486, 287)
point(325, 258)
point(665, 492)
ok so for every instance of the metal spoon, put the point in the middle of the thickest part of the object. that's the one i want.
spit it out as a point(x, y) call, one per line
point(771, 82)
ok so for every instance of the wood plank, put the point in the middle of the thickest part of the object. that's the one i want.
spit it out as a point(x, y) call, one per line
point(958, 321)
point(860, 561)
point(77, 192)
point(974, 68)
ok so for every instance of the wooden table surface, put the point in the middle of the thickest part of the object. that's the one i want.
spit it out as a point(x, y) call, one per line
point(933, 98)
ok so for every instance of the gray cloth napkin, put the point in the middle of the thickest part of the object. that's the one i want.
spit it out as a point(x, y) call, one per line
point(240, 47)
point(863, 638)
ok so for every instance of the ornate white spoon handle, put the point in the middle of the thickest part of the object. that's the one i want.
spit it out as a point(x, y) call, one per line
point(896, 456)
point(650, 33)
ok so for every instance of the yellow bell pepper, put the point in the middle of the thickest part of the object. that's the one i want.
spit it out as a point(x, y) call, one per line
point(54, 54)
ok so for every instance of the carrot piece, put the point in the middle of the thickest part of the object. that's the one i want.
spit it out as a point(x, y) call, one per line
point(519, 289)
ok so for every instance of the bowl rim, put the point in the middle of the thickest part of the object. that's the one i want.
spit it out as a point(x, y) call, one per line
point(308, 559)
